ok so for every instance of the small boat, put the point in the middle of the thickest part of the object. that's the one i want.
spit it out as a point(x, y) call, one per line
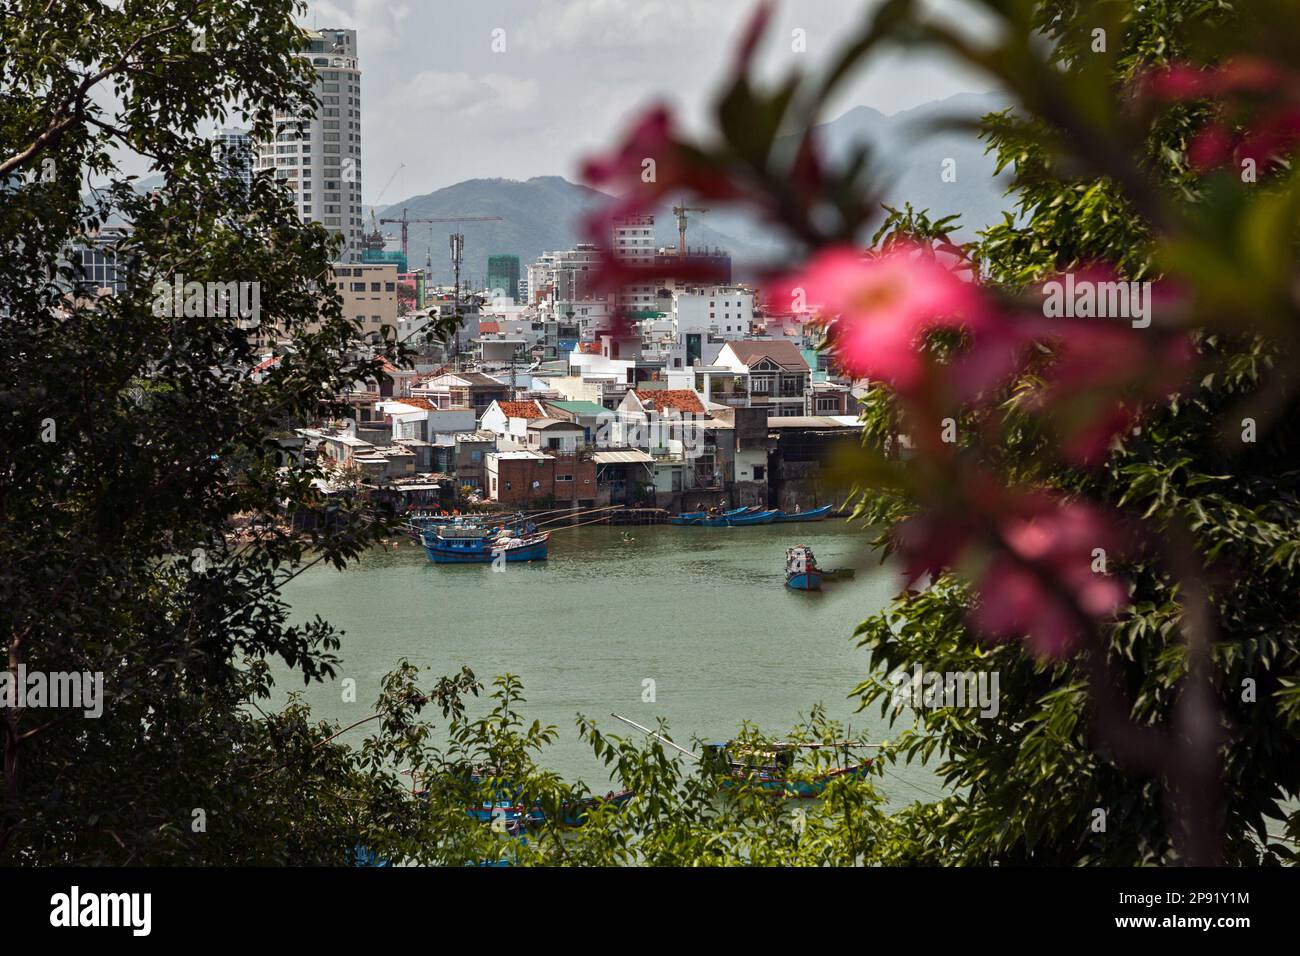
point(801, 571)
point(473, 544)
point(757, 517)
point(705, 518)
point(814, 514)
point(729, 519)
point(771, 768)
point(512, 813)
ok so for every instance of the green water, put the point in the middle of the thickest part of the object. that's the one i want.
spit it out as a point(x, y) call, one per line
point(703, 612)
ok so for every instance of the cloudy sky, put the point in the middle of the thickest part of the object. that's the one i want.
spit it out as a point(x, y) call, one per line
point(436, 96)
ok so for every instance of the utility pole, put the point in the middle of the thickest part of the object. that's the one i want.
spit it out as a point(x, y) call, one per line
point(457, 253)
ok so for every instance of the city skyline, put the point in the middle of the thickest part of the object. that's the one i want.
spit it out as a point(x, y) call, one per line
point(538, 90)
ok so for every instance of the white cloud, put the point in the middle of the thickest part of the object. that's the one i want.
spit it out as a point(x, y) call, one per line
point(433, 94)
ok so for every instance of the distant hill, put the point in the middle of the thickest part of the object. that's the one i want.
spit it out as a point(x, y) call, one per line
point(544, 213)
point(909, 155)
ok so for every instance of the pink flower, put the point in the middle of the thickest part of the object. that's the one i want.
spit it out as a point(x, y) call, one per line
point(1042, 562)
point(881, 305)
point(1049, 576)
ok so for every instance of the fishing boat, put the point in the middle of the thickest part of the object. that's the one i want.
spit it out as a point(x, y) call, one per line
point(770, 768)
point(701, 517)
point(474, 544)
point(513, 813)
point(755, 517)
point(813, 514)
point(509, 810)
point(801, 571)
point(687, 518)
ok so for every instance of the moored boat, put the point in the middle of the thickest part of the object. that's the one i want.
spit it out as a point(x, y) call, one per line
point(757, 517)
point(801, 571)
point(686, 518)
point(771, 768)
point(813, 514)
point(472, 544)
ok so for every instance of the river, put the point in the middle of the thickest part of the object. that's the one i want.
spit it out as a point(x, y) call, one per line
point(701, 612)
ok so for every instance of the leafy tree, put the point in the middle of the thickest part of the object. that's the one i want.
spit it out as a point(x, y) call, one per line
point(1031, 787)
point(132, 430)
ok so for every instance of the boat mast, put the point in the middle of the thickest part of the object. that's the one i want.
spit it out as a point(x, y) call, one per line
point(658, 737)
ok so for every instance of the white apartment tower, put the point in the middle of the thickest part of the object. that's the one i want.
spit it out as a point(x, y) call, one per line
point(634, 244)
point(235, 152)
point(320, 155)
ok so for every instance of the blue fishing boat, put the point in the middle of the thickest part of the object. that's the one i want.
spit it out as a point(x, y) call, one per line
point(512, 813)
point(801, 571)
point(705, 518)
point(756, 517)
point(813, 514)
point(472, 544)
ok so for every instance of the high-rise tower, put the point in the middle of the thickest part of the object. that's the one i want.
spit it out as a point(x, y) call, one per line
point(320, 155)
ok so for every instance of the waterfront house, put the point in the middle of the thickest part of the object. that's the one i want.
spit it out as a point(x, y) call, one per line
point(510, 419)
point(802, 448)
point(778, 374)
point(527, 478)
point(553, 434)
point(587, 415)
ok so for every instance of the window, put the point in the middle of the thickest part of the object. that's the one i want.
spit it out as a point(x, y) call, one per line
point(759, 472)
point(563, 477)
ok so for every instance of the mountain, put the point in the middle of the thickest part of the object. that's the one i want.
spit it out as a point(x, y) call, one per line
point(544, 213)
point(908, 150)
point(539, 215)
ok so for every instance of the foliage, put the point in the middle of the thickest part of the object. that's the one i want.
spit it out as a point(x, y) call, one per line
point(133, 435)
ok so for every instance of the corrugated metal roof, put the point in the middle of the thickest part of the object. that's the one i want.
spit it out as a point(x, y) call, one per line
point(622, 458)
point(580, 408)
point(813, 421)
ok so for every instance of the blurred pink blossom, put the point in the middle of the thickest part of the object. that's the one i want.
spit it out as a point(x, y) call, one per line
point(881, 305)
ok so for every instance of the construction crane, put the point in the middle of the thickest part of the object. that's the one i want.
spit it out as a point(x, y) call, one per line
point(680, 212)
point(406, 222)
point(375, 240)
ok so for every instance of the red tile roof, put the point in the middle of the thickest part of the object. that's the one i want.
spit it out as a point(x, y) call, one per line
point(522, 409)
point(681, 399)
point(489, 327)
point(417, 403)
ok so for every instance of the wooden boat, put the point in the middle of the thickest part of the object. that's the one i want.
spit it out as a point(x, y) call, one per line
point(473, 544)
point(701, 517)
point(801, 571)
point(516, 813)
point(757, 517)
point(813, 514)
point(770, 768)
